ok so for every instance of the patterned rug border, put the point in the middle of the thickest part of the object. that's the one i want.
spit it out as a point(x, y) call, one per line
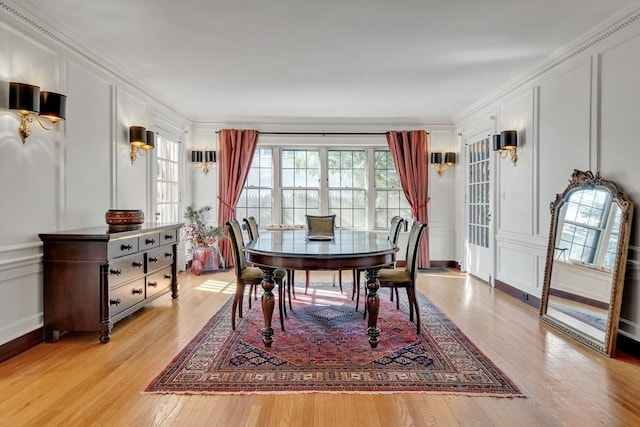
point(225, 309)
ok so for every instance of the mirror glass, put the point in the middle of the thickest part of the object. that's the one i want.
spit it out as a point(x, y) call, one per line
point(586, 259)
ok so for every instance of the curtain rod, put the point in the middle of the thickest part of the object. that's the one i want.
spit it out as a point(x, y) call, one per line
point(321, 133)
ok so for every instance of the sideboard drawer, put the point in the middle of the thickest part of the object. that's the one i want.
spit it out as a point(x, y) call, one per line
point(168, 237)
point(159, 257)
point(125, 296)
point(159, 281)
point(123, 247)
point(126, 268)
point(149, 241)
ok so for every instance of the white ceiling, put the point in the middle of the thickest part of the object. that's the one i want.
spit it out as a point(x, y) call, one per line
point(332, 61)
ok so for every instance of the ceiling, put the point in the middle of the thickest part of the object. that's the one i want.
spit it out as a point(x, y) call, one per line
point(332, 61)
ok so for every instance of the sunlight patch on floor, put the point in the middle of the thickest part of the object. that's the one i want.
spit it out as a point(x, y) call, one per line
point(218, 286)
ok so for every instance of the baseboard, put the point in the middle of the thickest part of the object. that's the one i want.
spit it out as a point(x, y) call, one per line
point(445, 264)
point(21, 344)
point(628, 345)
point(518, 294)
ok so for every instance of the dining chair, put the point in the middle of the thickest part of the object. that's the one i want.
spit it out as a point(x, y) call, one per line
point(392, 236)
point(320, 226)
point(406, 278)
point(246, 275)
point(251, 226)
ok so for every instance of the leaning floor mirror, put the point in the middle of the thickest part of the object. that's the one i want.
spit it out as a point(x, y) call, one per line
point(586, 259)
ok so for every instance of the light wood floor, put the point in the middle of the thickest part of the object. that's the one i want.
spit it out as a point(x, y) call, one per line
point(80, 382)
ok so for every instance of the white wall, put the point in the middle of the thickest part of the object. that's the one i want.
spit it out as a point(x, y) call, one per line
point(578, 111)
point(66, 178)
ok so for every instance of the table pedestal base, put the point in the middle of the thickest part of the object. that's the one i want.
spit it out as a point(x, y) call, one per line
point(373, 307)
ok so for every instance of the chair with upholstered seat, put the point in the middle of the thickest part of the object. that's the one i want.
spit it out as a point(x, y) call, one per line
point(320, 227)
point(392, 236)
point(406, 278)
point(251, 225)
point(246, 275)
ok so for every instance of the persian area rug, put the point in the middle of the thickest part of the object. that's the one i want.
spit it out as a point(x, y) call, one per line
point(325, 349)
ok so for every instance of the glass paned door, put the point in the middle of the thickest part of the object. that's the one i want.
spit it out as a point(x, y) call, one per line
point(478, 209)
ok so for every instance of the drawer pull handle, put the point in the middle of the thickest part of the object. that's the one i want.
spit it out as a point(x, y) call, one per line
point(168, 276)
point(153, 259)
point(168, 254)
point(137, 264)
point(168, 236)
point(126, 247)
point(115, 301)
point(150, 241)
point(136, 291)
point(116, 272)
point(153, 284)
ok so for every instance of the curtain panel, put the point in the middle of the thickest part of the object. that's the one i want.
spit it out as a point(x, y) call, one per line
point(236, 148)
point(409, 152)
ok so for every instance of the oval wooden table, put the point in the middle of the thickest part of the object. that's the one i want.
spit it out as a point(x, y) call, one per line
point(348, 250)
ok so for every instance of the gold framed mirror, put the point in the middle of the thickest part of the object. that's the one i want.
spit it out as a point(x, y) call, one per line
point(586, 260)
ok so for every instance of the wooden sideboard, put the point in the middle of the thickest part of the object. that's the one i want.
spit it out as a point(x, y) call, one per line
point(93, 278)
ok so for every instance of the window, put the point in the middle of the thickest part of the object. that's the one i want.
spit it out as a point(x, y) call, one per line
point(389, 197)
point(256, 197)
point(347, 187)
point(359, 185)
point(300, 174)
point(167, 184)
point(589, 216)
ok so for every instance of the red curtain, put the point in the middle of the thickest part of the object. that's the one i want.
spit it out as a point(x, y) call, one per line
point(409, 151)
point(236, 148)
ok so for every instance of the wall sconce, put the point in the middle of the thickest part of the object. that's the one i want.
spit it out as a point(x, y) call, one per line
point(203, 159)
point(31, 103)
point(140, 139)
point(440, 162)
point(507, 143)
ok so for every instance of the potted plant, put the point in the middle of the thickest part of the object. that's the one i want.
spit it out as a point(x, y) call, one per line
point(204, 240)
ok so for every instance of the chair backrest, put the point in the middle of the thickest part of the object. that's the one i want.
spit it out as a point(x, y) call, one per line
point(394, 229)
point(252, 228)
point(235, 233)
point(413, 246)
point(321, 225)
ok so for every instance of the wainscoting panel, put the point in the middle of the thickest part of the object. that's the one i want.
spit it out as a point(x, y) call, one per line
point(518, 263)
point(21, 305)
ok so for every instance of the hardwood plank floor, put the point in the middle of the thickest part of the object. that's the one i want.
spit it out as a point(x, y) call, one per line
point(80, 382)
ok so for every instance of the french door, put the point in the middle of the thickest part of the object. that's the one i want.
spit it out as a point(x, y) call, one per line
point(479, 200)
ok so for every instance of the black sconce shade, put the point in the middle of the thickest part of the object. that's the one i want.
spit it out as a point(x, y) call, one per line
point(450, 158)
point(24, 97)
point(436, 158)
point(508, 138)
point(210, 156)
point(137, 136)
point(496, 142)
point(151, 141)
point(53, 106)
point(196, 156)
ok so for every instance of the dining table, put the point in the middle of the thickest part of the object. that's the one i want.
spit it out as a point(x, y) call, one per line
point(293, 249)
